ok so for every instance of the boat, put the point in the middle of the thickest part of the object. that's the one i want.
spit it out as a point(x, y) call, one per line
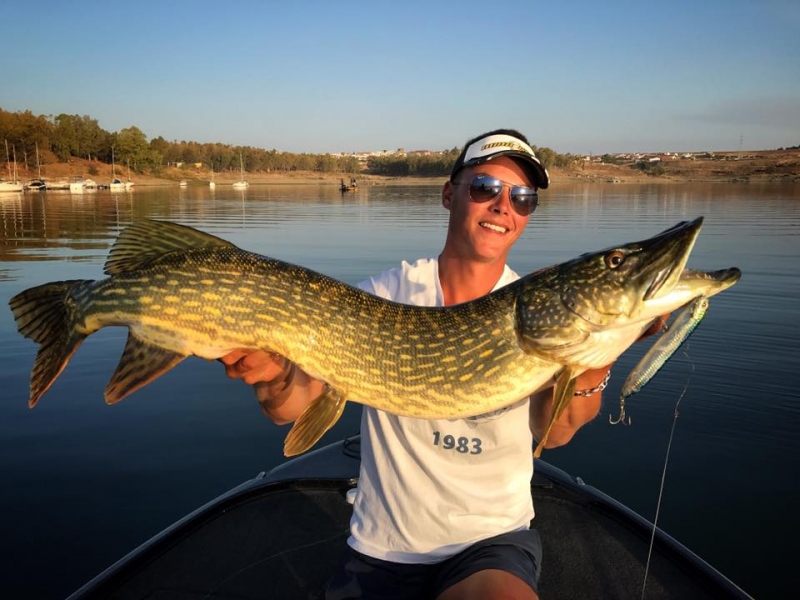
point(57, 184)
point(116, 185)
point(90, 184)
point(242, 184)
point(36, 185)
point(77, 185)
point(12, 184)
point(129, 184)
point(348, 188)
point(184, 183)
point(282, 533)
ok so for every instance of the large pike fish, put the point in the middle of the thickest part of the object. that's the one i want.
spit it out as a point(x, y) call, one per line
point(182, 292)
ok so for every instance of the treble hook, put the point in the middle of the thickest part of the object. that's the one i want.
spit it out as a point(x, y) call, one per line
point(621, 417)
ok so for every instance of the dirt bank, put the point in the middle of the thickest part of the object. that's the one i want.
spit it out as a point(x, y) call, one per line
point(761, 166)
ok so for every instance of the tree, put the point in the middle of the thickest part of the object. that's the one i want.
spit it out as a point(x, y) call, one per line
point(73, 135)
point(131, 148)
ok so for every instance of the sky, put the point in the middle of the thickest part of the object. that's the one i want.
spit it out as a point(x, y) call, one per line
point(337, 76)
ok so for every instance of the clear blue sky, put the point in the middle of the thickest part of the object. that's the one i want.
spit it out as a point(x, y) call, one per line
point(332, 76)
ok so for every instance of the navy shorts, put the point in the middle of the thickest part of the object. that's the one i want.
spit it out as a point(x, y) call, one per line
point(361, 576)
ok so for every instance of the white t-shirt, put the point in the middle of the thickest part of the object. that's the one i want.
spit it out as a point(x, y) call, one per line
point(430, 488)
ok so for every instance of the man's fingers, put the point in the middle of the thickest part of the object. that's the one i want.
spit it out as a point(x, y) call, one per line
point(260, 359)
point(233, 357)
point(252, 366)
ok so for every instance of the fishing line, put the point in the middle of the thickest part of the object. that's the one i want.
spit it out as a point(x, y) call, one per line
point(664, 472)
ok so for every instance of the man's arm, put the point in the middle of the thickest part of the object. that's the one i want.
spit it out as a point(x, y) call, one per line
point(581, 409)
point(282, 389)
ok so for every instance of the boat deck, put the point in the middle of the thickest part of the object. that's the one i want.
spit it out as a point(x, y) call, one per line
point(282, 539)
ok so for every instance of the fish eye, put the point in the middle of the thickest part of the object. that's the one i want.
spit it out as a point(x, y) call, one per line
point(614, 259)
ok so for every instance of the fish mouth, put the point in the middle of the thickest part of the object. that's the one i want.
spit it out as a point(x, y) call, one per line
point(667, 254)
point(721, 277)
point(708, 283)
point(657, 283)
point(689, 286)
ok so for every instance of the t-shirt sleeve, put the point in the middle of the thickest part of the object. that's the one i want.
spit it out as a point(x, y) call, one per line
point(384, 285)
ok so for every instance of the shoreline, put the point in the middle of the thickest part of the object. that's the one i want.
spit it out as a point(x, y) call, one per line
point(774, 166)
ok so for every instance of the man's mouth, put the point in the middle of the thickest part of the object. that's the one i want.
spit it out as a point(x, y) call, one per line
point(493, 227)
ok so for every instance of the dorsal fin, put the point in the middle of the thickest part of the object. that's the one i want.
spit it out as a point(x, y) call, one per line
point(146, 240)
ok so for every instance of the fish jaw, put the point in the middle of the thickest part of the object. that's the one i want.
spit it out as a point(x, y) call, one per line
point(690, 285)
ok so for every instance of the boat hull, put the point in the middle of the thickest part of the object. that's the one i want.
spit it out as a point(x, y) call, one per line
point(593, 546)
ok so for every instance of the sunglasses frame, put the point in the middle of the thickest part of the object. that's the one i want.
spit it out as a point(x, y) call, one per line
point(523, 207)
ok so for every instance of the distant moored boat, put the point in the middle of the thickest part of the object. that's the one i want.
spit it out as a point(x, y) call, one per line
point(241, 184)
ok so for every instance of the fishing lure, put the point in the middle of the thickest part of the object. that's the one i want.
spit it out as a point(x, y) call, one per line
point(682, 327)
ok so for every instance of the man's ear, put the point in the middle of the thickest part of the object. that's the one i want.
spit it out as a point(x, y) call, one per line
point(447, 195)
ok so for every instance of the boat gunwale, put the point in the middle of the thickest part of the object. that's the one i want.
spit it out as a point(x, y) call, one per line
point(285, 478)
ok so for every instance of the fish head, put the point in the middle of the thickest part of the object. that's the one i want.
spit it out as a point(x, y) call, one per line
point(614, 285)
point(622, 288)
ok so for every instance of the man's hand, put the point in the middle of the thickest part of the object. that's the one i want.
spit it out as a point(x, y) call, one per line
point(282, 389)
point(655, 327)
point(253, 367)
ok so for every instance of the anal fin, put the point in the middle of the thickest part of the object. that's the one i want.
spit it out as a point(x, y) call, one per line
point(318, 417)
point(140, 364)
point(562, 394)
point(52, 358)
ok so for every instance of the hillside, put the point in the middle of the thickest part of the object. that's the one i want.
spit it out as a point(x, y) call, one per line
point(753, 166)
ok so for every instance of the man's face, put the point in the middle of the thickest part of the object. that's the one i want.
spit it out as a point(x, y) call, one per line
point(484, 231)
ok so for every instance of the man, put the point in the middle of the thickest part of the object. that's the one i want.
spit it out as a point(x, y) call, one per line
point(443, 507)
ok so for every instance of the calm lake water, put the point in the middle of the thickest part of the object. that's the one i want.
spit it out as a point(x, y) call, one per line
point(83, 483)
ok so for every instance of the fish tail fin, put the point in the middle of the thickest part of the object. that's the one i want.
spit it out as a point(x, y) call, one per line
point(44, 315)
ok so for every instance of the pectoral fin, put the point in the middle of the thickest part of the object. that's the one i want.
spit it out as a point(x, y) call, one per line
point(141, 363)
point(562, 394)
point(318, 417)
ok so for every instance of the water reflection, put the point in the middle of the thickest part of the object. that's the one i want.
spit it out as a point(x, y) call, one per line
point(192, 434)
point(48, 226)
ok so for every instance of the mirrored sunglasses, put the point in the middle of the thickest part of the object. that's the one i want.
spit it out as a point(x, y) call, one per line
point(484, 188)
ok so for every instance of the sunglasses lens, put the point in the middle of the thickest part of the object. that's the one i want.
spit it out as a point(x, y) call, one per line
point(524, 199)
point(483, 188)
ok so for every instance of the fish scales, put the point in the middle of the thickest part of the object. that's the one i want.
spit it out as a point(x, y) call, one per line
point(288, 319)
point(182, 292)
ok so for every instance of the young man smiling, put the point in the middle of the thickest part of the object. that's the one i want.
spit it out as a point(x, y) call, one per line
point(442, 508)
